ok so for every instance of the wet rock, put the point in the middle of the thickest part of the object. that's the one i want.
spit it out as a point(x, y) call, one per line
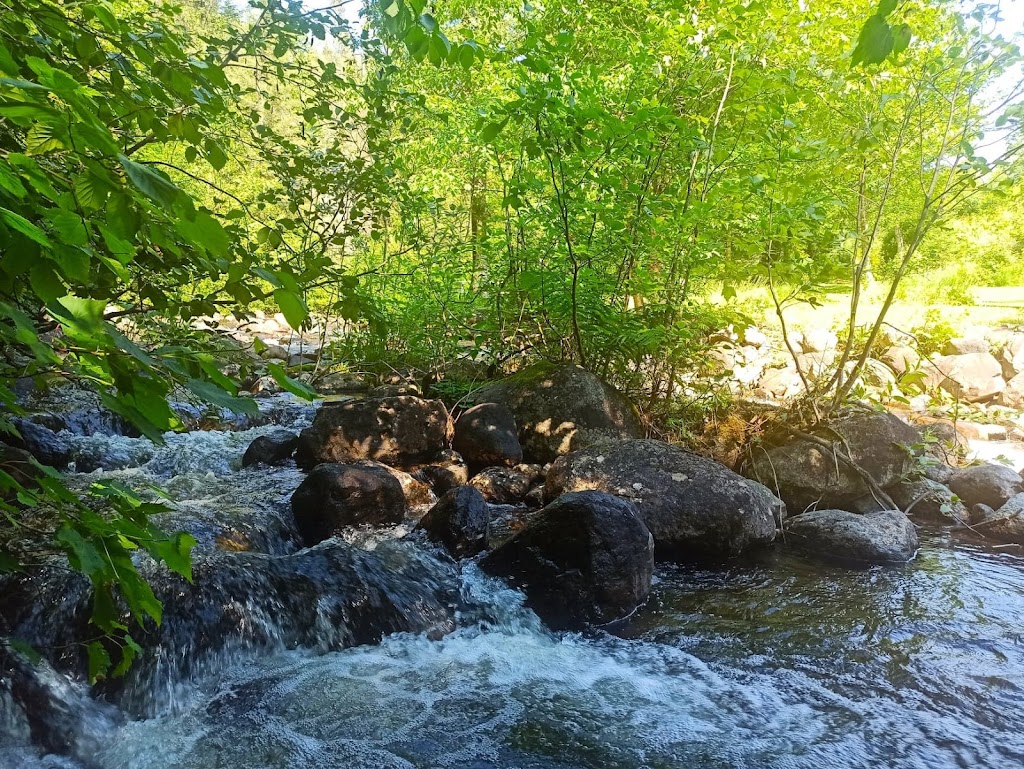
point(330, 596)
point(807, 475)
point(487, 435)
point(444, 475)
point(988, 484)
point(939, 473)
point(587, 558)
point(927, 500)
point(459, 521)
point(965, 347)
point(559, 409)
point(502, 485)
point(694, 507)
point(534, 497)
point(336, 496)
point(274, 449)
point(42, 442)
point(418, 493)
point(886, 536)
point(393, 390)
point(1005, 524)
point(401, 431)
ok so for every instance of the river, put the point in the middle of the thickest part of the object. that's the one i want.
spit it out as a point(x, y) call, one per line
point(776, 661)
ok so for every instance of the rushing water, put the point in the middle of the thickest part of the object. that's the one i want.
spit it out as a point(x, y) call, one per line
point(779, 662)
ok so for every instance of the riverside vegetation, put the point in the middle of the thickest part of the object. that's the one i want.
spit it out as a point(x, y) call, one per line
point(420, 330)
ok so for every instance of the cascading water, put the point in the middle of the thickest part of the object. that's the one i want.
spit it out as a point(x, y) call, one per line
point(780, 663)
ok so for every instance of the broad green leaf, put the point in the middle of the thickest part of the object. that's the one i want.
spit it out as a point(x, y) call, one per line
point(211, 393)
point(292, 306)
point(20, 224)
point(99, 661)
point(151, 183)
point(295, 387)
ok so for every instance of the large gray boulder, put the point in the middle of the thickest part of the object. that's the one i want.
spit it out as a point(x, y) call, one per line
point(694, 507)
point(989, 484)
point(559, 409)
point(807, 475)
point(402, 431)
point(335, 496)
point(1013, 395)
point(886, 536)
point(586, 558)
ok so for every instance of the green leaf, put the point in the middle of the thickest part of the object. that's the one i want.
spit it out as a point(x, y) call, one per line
point(151, 183)
point(20, 224)
point(83, 554)
point(82, 315)
point(211, 393)
point(885, 7)
point(295, 387)
point(292, 306)
point(875, 43)
point(490, 131)
point(208, 232)
point(99, 661)
point(11, 183)
point(901, 36)
point(176, 552)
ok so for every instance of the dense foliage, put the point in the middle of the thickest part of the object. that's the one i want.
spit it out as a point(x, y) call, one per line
point(471, 180)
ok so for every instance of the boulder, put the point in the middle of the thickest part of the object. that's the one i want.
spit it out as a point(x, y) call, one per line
point(401, 431)
point(927, 500)
point(442, 476)
point(886, 536)
point(586, 558)
point(459, 521)
point(965, 347)
point(819, 340)
point(694, 507)
point(807, 475)
point(901, 358)
point(975, 377)
point(780, 382)
point(1012, 355)
point(754, 337)
point(562, 408)
point(273, 449)
point(487, 435)
point(502, 485)
point(335, 496)
point(987, 484)
point(1005, 524)
point(1013, 396)
point(816, 364)
point(417, 492)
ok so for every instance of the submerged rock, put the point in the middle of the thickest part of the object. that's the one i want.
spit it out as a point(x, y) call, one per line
point(331, 596)
point(886, 536)
point(487, 435)
point(807, 475)
point(694, 507)
point(988, 484)
point(402, 431)
point(587, 558)
point(559, 409)
point(336, 496)
point(459, 521)
point(273, 449)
